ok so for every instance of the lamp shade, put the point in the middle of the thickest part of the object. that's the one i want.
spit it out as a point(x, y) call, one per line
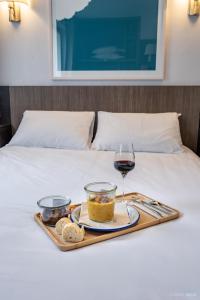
point(19, 1)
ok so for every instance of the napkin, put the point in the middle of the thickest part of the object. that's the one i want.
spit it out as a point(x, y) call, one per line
point(121, 217)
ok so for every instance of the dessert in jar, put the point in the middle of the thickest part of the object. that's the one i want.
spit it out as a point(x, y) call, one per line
point(101, 201)
point(53, 209)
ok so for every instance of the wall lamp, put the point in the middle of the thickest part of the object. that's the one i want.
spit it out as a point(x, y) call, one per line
point(14, 9)
point(194, 7)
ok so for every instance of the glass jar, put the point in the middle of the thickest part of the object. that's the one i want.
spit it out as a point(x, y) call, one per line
point(53, 209)
point(101, 201)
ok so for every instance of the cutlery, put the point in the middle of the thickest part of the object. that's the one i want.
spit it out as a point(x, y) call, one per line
point(159, 212)
point(153, 209)
point(161, 206)
point(157, 205)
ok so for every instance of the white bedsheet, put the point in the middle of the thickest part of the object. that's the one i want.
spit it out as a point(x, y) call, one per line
point(161, 262)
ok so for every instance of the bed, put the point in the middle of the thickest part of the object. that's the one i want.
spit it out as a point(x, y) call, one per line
point(160, 262)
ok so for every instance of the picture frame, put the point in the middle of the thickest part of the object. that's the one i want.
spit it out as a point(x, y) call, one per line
point(68, 68)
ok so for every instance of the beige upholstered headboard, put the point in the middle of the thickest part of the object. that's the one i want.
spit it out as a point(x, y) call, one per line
point(182, 99)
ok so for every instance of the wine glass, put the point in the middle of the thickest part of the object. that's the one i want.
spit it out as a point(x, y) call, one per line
point(124, 161)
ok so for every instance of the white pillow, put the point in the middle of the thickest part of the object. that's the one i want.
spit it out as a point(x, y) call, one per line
point(147, 132)
point(55, 129)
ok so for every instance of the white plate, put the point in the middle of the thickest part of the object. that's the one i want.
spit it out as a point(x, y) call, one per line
point(133, 215)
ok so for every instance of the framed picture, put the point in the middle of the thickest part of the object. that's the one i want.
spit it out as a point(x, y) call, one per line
point(108, 39)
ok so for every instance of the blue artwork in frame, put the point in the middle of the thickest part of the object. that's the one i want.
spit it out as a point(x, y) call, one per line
point(101, 39)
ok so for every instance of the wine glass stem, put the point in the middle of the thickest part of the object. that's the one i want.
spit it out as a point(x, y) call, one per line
point(123, 193)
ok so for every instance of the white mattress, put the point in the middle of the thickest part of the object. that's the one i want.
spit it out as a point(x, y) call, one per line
point(161, 262)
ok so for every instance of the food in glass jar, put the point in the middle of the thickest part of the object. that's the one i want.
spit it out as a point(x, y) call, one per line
point(53, 209)
point(101, 208)
point(51, 216)
point(101, 201)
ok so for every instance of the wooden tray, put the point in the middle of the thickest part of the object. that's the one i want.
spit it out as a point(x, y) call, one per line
point(146, 220)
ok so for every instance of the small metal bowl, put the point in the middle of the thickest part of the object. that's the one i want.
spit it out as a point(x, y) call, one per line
point(53, 209)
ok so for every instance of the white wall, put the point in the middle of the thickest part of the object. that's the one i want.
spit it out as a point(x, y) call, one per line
point(25, 48)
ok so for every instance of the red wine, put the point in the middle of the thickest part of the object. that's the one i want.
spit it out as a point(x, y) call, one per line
point(124, 166)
